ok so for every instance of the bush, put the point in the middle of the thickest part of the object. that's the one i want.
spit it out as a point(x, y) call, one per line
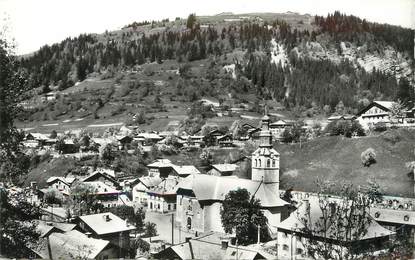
point(345, 127)
point(368, 157)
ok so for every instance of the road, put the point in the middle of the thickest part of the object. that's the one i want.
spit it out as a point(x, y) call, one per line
point(163, 222)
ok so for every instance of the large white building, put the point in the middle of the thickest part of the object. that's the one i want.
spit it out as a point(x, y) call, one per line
point(375, 112)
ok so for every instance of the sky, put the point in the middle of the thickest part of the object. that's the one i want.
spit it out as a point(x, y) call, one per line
point(34, 23)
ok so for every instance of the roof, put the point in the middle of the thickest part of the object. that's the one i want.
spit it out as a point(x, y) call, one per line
point(102, 173)
point(225, 167)
point(208, 187)
point(45, 227)
point(67, 180)
point(101, 188)
point(404, 217)
point(294, 223)
point(338, 117)
point(281, 123)
point(166, 187)
point(266, 151)
point(160, 163)
point(208, 248)
point(150, 181)
point(74, 244)
point(384, 105)
point(38, 136)
point(106, 223)
point(149, 136)
point(56, 211)
point(185, 169)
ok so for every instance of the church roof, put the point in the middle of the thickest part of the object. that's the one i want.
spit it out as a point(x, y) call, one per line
point(265, 152)
point(208, 187)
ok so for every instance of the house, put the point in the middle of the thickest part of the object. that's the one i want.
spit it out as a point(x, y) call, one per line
point(160, 167)
point(278, 127)
point(207, 101)
point(225, 140)
point(35, 140)
point(73, 245)
point(124, 141)
point(102, 176)
point(200, 196)
point(195, 140)
point(211, 247)
point(211, 138)
point(63, 184)
point(141, 186)
point(184, 170)
point(225, 169)
point(162, 198)
point(110, 227)
point(107, 195)
point(148, 138)
point(341, 117)
point(292, 237)
point(375, 112)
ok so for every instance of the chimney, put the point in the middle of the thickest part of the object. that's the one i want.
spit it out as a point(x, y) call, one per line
point(88, 234)
point(107, 218)
point(225, 244)
point(188, 238)
point(163, 246)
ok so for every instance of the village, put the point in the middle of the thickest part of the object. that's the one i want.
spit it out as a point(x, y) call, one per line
point(174, 207)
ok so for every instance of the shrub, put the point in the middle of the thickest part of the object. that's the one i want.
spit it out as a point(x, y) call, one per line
point(368, 157)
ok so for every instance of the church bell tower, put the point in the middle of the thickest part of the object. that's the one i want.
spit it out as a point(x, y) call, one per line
point(266, 160)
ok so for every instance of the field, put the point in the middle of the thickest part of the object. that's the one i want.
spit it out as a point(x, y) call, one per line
point(338, 159)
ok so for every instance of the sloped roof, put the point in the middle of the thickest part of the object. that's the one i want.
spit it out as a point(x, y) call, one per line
point(294, 223)
point(208, 187)
point(101, 188)
point(205, 248)
point(394, 216)
point(281, 123)
point(185, 169)
point(386, 104)
point(266, 152)
point(166, 186)
point(160, 163)
point(67, 180)
point(150, 181)
point(102, 173)
point(75, 244)
point(38, 136)
point(225, 167)
point(99, 224)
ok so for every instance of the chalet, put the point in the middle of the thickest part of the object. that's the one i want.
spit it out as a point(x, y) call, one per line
point(375, 112)
point(161, 168)
point(162, 198)
point(148, 138)
point(62, 184)
point(341, 117)
point(225, 169)
point(101, 176)
point(195, 140)
point(211, 138)
point(277, 128)
point(210, 102)
point(110, 227)
point(36, 140)
point(291, 238)
point(124, 141)
point(107, 195)
point(142, 186)
point(225, 140)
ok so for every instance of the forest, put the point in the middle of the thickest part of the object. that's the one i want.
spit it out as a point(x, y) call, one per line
point(307, 82)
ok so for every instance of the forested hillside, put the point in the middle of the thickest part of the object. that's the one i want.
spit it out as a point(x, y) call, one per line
point(303, 80)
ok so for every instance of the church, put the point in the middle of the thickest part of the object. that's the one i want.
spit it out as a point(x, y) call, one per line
point(200, 196)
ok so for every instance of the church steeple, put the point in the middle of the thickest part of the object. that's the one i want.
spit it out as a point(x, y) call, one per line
point(265, 135)
point(266, 160)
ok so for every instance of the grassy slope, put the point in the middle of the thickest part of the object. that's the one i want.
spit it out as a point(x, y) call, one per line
point(53, 167)
point(338, 159)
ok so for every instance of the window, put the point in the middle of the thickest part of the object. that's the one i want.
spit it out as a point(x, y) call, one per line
point(151, 205)
point(268, 163)
point(285, 247)
point(168, 206)
point(256, 163)
point(259, 161)
point(299, 251)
